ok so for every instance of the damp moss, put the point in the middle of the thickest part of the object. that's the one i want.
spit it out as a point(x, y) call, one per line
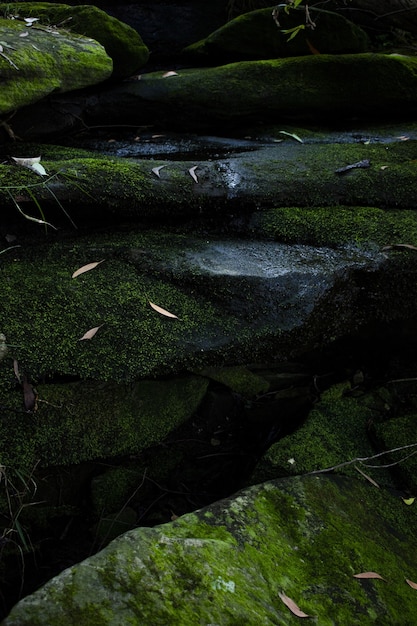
point(240, 379)
point(396, 433)
point(335, 432)
point(78, 422)
point(39, 65)
point(338, 225)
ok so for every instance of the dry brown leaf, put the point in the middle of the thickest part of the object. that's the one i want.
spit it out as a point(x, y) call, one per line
point(29, 396)
point(400, 245)
point(192, 173)
point(156, 170)
point(170, 73)
point(162, 311)
point(90, 333)
point(16, 370)
point(292, 606)
point(410, 582)
point(368, 575)
point(86, 268)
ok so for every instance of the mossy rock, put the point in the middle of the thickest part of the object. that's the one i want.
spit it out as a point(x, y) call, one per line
point(330, 88)
point(121, 42)
point(255, 35)
point(35, 65)
point(78, 422)
point(286, 175)
point(227, 564)
point(334, 433)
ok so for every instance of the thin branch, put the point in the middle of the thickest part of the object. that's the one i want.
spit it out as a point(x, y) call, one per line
point(364, 458)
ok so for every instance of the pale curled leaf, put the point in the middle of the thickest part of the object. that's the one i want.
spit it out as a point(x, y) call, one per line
point(292, 606)
point(192, 173)
point(162, 311)
point(16, 370)
point(32, 163)
point(170, 73)
point(25, 34)
point(90, 333)
point(408, 501)
point(156, 170)
point(368, 575)
point(293, 135)
point(30, 20)
point(86, 268)
point(410, 582)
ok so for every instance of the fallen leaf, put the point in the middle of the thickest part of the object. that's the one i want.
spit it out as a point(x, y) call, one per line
point(157, 136)
point(312, 49)
point(90, 333)
point(29, 396)
point(30, 20)
point(162, 311)
point(293, 135)
point(384, 167)
point(192, 173)
point(156, 170)
point(25, 34)
point(410, 582)
point(408, 501)
point(368, 575)
point(168, 74)
point(16, 370)
point(403, 138)
point(31, 164)
point(86, 268)
point(292, 606)
point(409, 246)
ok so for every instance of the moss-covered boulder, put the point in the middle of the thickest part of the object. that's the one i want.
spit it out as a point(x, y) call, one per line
point(256, 35)
point(121, 42)
point(235, 300)
point(232, 562)
point(335, 434)
point(38, 60)
point(318, 87)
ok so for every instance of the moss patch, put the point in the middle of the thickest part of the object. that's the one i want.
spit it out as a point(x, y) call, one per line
point(333, 226)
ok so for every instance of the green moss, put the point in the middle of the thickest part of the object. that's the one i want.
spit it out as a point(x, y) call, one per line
point(121, 42)
point(238, 378)
point(335, 432)
point(333, 226)
point(395, 433)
